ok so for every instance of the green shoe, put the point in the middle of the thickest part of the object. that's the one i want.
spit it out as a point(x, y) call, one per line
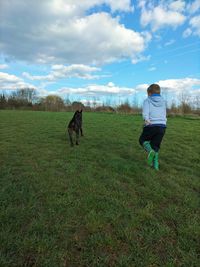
point(151, 152)
point(150, 158)
point(147, 146)
point(155, 162)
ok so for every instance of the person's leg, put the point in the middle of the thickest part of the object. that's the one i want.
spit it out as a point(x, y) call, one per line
point(156, 161)
point(155, 143)
point(157, 138)
point(144, 140)
point(145, 137)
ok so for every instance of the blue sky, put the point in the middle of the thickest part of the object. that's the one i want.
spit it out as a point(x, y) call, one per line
point(101, 50)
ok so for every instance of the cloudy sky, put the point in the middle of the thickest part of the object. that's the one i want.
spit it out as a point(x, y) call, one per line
point(107, 50)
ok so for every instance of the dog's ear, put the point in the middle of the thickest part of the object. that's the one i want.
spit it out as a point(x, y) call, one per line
point(81, 110)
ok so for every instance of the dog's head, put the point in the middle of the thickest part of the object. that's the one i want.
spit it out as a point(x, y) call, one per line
point(78, 115)
point(79, 111)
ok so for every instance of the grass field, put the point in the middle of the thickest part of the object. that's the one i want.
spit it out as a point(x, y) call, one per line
point(97, 204)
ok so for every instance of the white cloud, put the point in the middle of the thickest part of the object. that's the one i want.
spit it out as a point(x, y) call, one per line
point(121, 5)
point(97, 90)
point(170, 42)
point(141, 87)
point(152, 68)
point(9, 78)
point(3, 66)
point(178, 5)
point(141, 3)
point(175, 89)
point(140, 58)
point(12, 82)
point(79, 7)
point(194, 6)
point(63, 32)
point(61, 71)
point(111, 84)
point(162, 15)
point(91, 102)
point(175, 86)
point(194, 27)
point(187, 33)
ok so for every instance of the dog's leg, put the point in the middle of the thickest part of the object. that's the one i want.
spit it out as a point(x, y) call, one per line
point(77, 136)
point(70, 131)
point(81, 131)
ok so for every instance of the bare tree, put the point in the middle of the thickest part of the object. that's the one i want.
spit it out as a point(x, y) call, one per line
point(185, 103)
point(3, 101)
point(26, 95)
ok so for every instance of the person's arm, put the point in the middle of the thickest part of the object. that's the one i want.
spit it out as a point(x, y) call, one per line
point(165, 111)
point(145, 112)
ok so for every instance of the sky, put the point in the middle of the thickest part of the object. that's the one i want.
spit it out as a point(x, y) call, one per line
point(103, 51)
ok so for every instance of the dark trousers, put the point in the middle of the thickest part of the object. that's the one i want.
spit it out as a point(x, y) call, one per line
point(154, 135)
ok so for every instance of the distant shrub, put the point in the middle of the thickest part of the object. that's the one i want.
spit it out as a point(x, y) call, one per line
point(105, 109)
point(52, 103)
point(125, 108)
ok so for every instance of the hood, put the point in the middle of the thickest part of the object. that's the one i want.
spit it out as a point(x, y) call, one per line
point(156, 100)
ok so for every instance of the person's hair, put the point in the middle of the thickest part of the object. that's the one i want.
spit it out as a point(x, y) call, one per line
point(153, 89)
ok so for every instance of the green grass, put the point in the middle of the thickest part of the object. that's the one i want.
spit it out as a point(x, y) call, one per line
point(97, 204)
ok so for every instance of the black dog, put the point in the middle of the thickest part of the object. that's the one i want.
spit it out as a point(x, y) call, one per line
point(75, 125)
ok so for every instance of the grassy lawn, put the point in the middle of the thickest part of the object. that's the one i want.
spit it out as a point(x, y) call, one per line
point(97, 204)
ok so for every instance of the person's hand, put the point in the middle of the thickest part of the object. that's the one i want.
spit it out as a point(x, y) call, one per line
point(147, 122)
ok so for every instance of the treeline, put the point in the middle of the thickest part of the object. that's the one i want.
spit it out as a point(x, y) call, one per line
point(29, 100)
